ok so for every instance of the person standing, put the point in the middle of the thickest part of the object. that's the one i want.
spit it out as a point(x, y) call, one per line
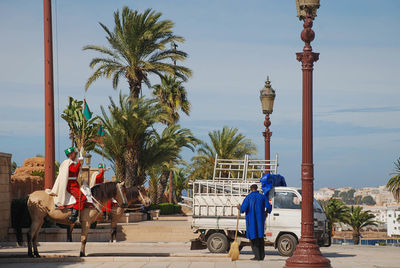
point(256, 206)
point(97, 176)
point(66, 188)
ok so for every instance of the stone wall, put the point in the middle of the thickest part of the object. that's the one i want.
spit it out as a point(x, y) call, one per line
point(5, 202)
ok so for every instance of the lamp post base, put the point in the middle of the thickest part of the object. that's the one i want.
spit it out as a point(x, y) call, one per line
point(307, 255)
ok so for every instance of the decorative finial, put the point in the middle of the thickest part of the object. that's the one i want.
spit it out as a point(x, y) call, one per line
point(268, 83)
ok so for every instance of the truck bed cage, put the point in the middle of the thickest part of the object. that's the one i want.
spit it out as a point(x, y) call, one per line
point(230, 184)
point(244, 170)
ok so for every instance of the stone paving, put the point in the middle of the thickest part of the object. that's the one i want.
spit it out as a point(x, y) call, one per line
point(179, 255)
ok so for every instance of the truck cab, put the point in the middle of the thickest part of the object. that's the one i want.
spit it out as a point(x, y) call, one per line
point(283, 225)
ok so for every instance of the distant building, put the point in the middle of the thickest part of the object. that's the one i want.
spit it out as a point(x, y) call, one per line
point(393, 225)
point(324, 193)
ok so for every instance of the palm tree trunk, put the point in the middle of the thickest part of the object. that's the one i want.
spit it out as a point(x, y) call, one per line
point(153, 190)
point(162, 184)
point(131, 167)
point(120, 169)
point(356, 237)
point(135, 86)
point(170, 186)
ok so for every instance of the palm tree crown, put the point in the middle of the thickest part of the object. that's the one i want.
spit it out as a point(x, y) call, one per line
point(172, 94)
point(394, 182)
point(139, 45)
point(358, 219)
point(336, 211)
point(228, 144)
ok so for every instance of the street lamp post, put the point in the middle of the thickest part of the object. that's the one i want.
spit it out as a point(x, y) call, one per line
point(267, 97)
point(307, 252)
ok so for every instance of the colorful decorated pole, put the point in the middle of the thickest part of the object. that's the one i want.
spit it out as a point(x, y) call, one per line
point(49, 142)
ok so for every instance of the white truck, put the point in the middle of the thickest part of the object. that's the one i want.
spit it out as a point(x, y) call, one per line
point(215, 208)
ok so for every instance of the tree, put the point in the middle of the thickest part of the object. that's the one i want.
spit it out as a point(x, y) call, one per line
point(14, 166)
point(336, 211)
point(82, 131)
point(394, 182)
point(228, 144)
point(359, 219)
point(368, 200)
point(172, 95)
point(181, 182)
point(132, 143)
point(139, 45)
point(127, 126)
point(336, 193)
point(176, 138)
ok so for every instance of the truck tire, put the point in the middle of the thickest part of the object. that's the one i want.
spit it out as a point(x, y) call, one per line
point(217, 243)
point(286, 245)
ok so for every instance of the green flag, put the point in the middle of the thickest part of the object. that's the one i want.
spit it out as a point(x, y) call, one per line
point(101, 131)
point(86, 111)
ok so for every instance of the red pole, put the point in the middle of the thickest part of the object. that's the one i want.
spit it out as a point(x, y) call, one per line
point(267, 139)
point(49, 97)
point(307, 252)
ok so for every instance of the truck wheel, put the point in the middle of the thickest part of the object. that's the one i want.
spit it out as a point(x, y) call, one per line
point(217, 243)
point(287, 245)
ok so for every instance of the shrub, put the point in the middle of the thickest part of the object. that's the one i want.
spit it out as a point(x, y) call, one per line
point(154, 206)
point(38, 173)
point(169, 208)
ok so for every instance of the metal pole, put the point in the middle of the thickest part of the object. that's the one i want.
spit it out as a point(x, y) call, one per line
point(49, 97)
point(267, 140)
point(307, 252)
point(170, 172)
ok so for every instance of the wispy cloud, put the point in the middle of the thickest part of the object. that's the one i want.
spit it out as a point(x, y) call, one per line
point(382, 109)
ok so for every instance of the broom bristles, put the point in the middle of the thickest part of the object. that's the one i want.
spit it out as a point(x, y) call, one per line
point(234, 251)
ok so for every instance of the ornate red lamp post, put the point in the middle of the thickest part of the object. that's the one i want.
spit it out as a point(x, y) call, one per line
point(307, 252)
point(267, 97)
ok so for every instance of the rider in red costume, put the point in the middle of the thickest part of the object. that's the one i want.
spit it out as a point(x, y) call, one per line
point(73, 186)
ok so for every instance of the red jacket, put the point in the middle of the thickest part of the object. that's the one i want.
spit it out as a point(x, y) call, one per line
point(73, 170)
point(100, 177)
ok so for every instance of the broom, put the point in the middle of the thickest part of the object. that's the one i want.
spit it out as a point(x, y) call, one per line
point(234, 251)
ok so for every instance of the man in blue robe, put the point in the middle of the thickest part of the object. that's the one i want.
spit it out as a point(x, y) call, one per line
point(256, 206)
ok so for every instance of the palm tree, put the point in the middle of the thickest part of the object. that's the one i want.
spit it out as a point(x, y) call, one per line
point(138, 46)
point(228, 144)
point(82, 131)
point(127, 127)
point(132, 143)
point(14, 166)
point(359, 219)
point(181, 182)
point(394, 182)
point(172, 94)
point(177, 138)
point(336, 212)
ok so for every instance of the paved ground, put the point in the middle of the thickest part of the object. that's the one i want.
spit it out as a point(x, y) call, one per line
point(165, 229)
point(177, 255)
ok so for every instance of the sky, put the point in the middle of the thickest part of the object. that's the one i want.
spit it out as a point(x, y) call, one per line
point(233, 46)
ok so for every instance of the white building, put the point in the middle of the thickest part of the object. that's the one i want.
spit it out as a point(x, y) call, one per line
point(393, 225)
point(380, 212)
point(324, 193)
